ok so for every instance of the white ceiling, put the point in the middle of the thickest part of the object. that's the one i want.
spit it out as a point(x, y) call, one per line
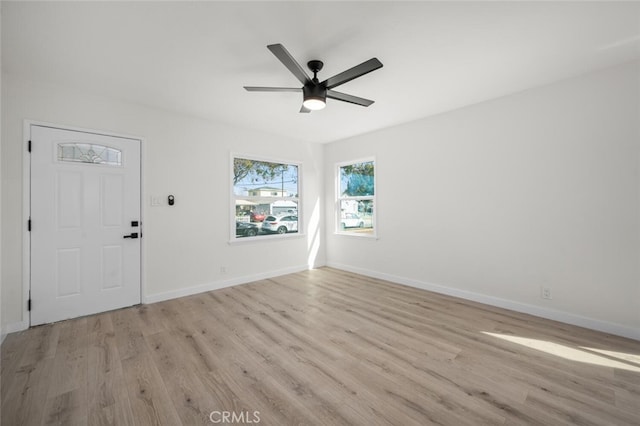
point(194, 57)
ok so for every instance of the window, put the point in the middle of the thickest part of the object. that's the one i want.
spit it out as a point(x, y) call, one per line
point(89, 153)
point(265, 196)
point(356, 198)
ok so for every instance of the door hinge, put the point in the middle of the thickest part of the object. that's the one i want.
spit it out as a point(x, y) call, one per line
point(29, 305)
point(29, 146)
point(29, 225)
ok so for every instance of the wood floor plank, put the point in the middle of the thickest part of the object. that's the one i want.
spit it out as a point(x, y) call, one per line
point(320, 347)
point(23, 353)
point(13, 349)
point(108, 403)
point(43, 344)
point(24, 403)
point(66, 401)
point(187, 392)
point(129, 333)
point(148, 396)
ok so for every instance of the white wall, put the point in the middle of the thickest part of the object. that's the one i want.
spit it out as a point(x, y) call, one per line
point(493, 201)
point(2, 333)
point(186, 245)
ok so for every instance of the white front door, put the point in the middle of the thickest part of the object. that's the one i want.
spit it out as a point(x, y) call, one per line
point(85, 217)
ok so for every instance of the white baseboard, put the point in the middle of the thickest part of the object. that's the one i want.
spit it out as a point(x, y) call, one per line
point(552, 314)
point(174, 294)
point(12, 328)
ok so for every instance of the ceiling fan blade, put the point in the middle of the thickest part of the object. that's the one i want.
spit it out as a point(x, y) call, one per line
point(348, 98)
point(288, 61)
point(355, 72)
point(272, 89)
point(304, 109)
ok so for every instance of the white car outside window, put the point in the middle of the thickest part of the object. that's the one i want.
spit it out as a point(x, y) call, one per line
point(351, 220)
point(280, 224)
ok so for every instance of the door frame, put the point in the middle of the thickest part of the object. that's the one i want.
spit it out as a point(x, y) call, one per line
point(26, 206)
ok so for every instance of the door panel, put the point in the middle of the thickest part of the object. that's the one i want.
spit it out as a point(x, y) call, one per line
point(68, 272)
point(85, 191)
point(69, 199)
point(111, 267)
point(111, 202)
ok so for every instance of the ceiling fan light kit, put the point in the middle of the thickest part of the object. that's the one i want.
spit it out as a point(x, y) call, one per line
point(314, 92)
point(314, 95)
point(314, 103)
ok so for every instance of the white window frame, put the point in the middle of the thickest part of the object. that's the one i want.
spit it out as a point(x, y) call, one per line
point(234, 197)
point(340, 197)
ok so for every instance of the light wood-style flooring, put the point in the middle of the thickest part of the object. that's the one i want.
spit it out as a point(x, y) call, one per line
point(321, 347)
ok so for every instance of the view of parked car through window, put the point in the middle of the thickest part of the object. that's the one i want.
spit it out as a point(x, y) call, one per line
point(266, 196)
point(351, 220)
point(280, 224)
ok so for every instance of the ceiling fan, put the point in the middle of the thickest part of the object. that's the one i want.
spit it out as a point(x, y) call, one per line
point(314, 92)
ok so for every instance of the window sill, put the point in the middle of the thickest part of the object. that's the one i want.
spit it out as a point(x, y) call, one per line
point(274, 237)
point(373, 236)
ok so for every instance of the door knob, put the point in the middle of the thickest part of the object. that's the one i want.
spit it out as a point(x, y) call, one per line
point(133, 235)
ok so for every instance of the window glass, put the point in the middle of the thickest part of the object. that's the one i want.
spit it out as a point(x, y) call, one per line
point(266, 197)
point(356, 198)
point(357, 179)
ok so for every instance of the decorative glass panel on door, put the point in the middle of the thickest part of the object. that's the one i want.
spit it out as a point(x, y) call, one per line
point(89, 153)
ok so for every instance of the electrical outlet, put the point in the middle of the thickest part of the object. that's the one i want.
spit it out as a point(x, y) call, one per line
point(223, 269)
point(546, 293)
point(156, 200)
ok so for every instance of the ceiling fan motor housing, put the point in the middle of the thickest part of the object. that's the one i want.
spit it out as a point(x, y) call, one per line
point(315, 91)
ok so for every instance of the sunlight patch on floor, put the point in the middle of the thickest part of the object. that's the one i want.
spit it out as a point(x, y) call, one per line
point(635, 359)
point(569, 353)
